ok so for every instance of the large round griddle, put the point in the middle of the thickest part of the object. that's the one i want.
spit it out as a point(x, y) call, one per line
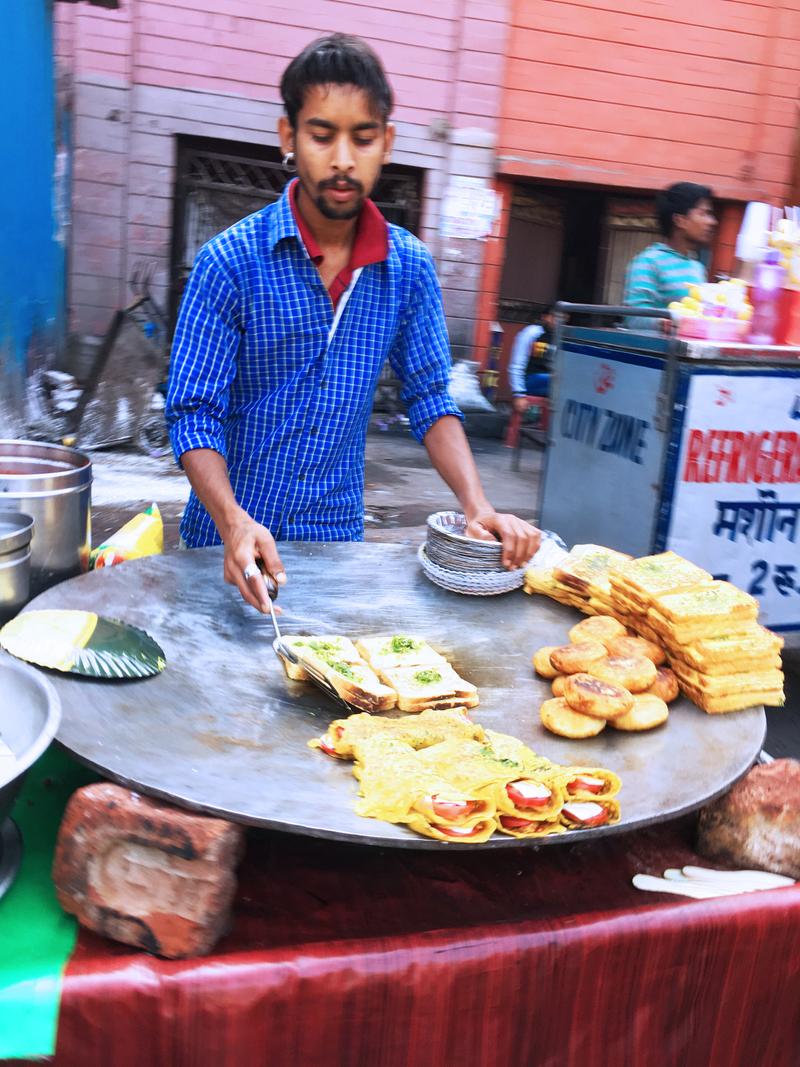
point(223, 731)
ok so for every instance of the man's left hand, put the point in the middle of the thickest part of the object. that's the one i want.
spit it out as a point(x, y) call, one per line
point(520, 539)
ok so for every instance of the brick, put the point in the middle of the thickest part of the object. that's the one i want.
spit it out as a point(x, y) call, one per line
point(145, 873)
point(756, 824)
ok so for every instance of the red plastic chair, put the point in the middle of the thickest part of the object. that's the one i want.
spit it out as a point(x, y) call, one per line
point(516, 430)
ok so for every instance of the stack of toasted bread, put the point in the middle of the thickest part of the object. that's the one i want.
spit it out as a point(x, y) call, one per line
point(634, 584)
point(580, 580)
point(381, 673)
point(723, 659)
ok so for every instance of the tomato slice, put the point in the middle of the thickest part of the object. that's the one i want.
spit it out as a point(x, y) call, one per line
point(326, 744)
point(460, 831)
point(586, 784)
point(525, 793)
point(512, 822)
point(453, 809)
point(586, 813)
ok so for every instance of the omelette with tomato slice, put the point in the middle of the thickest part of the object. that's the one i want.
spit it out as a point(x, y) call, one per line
point(514, 788)
point(398, 788)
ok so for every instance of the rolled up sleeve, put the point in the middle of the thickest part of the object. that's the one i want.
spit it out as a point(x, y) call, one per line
point(203, 360)
point(421, 354)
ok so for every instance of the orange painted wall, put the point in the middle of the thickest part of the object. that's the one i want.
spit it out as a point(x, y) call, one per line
point(653, 92)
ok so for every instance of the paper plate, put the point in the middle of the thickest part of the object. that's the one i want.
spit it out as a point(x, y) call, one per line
point(80, 642)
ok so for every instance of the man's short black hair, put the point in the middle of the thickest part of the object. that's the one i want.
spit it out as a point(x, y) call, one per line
point(339, 59)
point(678, 199)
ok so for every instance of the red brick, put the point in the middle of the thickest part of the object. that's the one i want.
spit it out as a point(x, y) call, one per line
point(144, 873)
point(756, 824)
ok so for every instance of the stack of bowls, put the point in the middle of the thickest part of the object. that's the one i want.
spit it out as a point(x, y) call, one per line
point(16, 531)
point(464, 564)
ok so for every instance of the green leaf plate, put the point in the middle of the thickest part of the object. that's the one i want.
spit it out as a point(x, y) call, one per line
point(81, 642)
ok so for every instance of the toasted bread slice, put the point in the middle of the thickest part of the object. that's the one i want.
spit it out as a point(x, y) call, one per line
point(717, 668)
point(642, 579)
point(398, 650)
point(358, 684)
point(734, 701)
point(318, 649)
point(723, 684)
point(539, 580)
point(585, 569)
point(710, 602)
point(714, 655)
point(425, 687)
point(676, 635)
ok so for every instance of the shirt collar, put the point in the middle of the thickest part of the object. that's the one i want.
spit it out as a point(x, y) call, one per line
point(664, 247)
point(371, 241)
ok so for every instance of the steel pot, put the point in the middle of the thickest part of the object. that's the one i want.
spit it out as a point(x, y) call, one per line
point(53, 484)
point(16, 530)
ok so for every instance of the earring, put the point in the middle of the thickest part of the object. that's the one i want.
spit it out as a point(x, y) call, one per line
point(289, 163)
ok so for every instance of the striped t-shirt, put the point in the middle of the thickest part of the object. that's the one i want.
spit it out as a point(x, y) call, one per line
point(656, 277)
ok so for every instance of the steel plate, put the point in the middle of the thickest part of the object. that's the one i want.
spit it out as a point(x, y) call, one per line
point(223, 731)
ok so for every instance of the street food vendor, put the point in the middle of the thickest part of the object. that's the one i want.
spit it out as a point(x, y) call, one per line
point(285, 324)
point(665, 270)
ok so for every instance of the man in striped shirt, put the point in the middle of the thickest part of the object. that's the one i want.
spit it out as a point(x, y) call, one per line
point(285, 323)
point(664, 271)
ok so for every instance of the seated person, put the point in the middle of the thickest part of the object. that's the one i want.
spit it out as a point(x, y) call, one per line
point(529, 365)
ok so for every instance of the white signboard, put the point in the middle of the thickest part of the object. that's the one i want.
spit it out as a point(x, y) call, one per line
point(469, 208)
point(736, 504)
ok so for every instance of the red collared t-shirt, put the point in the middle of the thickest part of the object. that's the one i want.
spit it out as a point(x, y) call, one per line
point(370, 244)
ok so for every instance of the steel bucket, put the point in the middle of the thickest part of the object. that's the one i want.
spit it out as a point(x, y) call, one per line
point(16, 531)
point(53, 485)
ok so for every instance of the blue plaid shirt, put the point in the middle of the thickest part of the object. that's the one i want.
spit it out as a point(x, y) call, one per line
point(255, 377)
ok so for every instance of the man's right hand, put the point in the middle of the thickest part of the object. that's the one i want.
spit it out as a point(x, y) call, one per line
point(246, 542)
point(521, 404)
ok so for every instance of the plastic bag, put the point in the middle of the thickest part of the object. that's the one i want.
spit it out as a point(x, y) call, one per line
point(465, 388)
point(143, 535)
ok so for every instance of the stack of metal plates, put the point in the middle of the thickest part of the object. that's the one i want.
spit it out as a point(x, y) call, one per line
point(448, 546)
point(464, 564)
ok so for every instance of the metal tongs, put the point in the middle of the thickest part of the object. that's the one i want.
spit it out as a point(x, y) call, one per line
point(282, 648)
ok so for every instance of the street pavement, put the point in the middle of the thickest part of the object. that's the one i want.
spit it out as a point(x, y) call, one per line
point(401, 490)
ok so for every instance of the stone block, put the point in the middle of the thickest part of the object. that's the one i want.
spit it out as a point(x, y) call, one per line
point(145, 873)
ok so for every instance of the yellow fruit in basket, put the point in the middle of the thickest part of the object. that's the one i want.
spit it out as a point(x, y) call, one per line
point(694, 292)
point(692, 303)
point(745, 314)
point(675, 305)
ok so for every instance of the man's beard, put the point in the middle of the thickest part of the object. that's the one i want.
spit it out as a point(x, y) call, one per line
point(346, 211)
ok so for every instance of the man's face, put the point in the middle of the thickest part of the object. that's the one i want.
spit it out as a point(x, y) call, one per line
point(699, 224)
point(340, 145)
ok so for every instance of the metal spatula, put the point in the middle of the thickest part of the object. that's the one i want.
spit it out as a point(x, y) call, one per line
point(282, 648)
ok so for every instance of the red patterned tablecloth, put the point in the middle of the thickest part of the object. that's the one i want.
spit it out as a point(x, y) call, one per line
point(352, 957)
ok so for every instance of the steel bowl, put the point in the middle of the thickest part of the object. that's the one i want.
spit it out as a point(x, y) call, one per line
point(16, 530)
point(30, 714)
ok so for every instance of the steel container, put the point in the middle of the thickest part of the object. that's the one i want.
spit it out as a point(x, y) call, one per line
point(16, 530)
point(53, 485)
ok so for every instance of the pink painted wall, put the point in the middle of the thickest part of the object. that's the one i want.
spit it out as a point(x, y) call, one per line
point(212, 69)
point(640, 92)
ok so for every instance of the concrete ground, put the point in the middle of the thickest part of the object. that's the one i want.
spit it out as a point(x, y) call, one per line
point(401, 490)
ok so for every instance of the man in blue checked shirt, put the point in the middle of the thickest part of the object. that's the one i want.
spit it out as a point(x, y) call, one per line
point(285, 323)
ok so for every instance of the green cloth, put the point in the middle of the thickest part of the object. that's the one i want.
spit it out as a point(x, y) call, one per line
point(36, 937)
